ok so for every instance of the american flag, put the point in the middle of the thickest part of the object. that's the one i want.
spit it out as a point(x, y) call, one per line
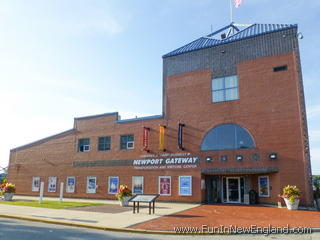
point(238, 3)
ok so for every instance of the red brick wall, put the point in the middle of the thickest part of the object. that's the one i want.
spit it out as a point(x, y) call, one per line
point(268, 108)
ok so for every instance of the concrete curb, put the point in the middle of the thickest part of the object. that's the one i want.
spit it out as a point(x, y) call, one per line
point(89, 226)
point(114, 229)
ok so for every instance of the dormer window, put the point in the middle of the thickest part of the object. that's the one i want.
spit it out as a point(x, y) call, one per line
point(225, 89)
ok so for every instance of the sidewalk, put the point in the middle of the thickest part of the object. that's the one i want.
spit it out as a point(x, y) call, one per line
point(118, 219)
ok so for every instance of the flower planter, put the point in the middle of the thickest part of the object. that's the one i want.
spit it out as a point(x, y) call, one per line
point(8, 196)
point(125, 201)
point(290, 205)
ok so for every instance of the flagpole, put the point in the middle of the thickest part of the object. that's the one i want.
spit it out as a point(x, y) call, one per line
point(231, 11)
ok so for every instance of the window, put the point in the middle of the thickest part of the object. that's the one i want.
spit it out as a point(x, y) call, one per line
point(52, 184)
point(227, 136)
point(104, 143)
point(264, 186)
point(35, 184)
point(137, 185)
point(84, 145)
point(113, 185)
point(185, 185)
point(280, 68)
point(225, 89)
point(165, 185)
point(91, 184)
point(127, 141)
point(71, 184)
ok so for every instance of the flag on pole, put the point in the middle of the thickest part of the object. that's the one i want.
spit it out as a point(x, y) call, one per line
point(238, 3)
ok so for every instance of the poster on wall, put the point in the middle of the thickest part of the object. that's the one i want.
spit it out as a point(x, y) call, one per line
point(91, 184)
point(185, 185)
point(137, 185)
point(165, 186)
point(264, 186)
point(35, 184)
point(52, 184)
point(71, 184)
point(113, 185)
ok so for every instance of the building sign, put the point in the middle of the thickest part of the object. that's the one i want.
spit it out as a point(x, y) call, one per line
point(113, 185)
point(71, 183)
point(169, 163)
point(52, 184)
point(137, 184)
point(185, 185)
point(91, 184)
point(264, 186)
point(165, 185)
point(35, 184)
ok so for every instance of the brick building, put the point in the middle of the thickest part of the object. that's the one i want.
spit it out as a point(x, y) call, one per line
point(233, 120)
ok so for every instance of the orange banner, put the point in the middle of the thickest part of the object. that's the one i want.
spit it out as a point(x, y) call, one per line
point(161, 138)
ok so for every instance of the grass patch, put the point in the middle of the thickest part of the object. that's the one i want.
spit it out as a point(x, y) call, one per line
point(49, 204)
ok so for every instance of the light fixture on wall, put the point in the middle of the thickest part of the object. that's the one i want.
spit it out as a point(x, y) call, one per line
point(239, 158)
point(208, 159)
point(273, 156)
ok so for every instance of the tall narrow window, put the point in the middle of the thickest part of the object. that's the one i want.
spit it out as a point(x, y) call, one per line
point(84, 145)
point(225, 89)
point(104, 143)
point(127, 141)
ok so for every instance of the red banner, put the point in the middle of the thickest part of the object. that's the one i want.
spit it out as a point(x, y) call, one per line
point(145, 139)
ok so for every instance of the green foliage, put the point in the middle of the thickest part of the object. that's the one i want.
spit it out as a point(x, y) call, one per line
point(291, 192)
point(50, 204)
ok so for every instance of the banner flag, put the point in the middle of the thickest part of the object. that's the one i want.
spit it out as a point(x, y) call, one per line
point(180, 136)
point(145, 141)
point(238, 3)
point(161, 138)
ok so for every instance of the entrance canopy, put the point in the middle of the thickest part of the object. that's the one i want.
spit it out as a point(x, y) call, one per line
point(245, 170)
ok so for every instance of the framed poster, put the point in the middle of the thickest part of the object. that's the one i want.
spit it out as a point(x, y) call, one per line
point(264, 186)
point(52, 184)
point(165, 185)
point(185, 185)
point(91, 184)
point(137, 185)
point(35, 184)
point(71, 184)
point(113, 185)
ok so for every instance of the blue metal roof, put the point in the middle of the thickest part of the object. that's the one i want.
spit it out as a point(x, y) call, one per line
point(212, 39)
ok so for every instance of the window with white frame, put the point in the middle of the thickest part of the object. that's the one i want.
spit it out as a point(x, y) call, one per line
point(127, 141)
point(225, 88)
point(84, 145)
point(264, 189)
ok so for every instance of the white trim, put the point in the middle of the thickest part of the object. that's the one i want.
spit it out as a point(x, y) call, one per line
point(159, 185)
point(109, 184)
point(239, 190)
point(133, 184)
point(55, 184)
point(130, 142)
point(33, 188)
point(190, 177)
point(67, 185)
point(95, 190)
point(268, 186)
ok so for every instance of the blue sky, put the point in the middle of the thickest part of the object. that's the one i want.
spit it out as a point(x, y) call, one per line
point(64, 59)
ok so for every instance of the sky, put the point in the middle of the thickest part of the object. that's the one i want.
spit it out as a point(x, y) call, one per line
point(64, 59)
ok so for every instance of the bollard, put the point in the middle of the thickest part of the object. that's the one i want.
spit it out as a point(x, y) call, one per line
point(61, 192)
point(41, 192)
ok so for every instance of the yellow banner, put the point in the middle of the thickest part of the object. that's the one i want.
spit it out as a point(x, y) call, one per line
point(161, 138)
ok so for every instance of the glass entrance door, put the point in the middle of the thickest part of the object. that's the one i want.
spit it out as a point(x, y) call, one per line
point(233, 190)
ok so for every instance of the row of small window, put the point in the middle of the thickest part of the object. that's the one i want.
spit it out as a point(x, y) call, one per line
point(104, 143)
point(164, 185)
point(239, 158)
